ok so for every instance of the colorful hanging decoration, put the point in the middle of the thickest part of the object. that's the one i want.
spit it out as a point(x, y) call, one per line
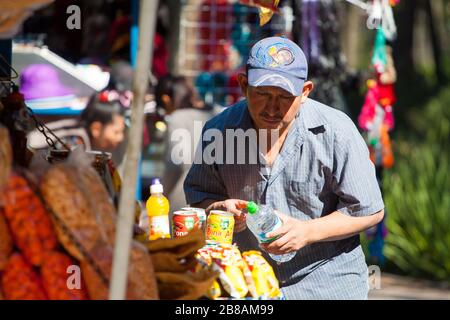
point(376, 117)
point(380, 15)
point(266, 8)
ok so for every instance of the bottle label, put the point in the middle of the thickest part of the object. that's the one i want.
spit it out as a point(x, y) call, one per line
point(159, 227)
point(262, 236)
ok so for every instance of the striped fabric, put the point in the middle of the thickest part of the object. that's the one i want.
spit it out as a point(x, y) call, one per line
point(323, 166)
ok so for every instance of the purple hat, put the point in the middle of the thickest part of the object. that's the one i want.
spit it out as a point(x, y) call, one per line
point(279, 62)
point(40, 81)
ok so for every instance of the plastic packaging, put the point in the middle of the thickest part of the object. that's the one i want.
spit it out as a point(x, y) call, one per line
point(266, 283)
point(28, 220)
point(6, 242)
point(20, 281)
point(5, 156)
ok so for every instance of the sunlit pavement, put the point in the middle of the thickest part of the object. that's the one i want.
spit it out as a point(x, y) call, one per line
point(395, 287)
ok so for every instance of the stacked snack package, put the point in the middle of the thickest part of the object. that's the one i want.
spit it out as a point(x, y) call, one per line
point(240, 276)
point(266, 283)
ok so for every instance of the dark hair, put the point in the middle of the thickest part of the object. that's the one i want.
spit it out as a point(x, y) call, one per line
point(101, 111)
point(178, 89)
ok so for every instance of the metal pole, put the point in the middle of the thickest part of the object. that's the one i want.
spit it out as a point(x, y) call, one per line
point(147, 21)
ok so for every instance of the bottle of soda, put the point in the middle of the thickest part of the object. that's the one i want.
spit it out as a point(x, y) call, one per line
point(158, 212)
point(261, 220)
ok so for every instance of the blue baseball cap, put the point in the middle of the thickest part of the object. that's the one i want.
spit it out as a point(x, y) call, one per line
point(279, 62)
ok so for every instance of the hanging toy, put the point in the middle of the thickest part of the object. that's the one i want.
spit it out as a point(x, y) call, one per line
point(376, 115)
point(266, 8)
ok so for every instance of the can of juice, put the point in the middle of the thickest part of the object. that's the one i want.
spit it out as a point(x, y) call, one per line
point(220, 226)
point(184, 222)
point(201, 216)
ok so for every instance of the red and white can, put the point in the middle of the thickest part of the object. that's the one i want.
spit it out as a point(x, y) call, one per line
point(184, 222)
point(201, 216)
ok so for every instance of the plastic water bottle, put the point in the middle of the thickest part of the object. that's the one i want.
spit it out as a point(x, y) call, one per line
point(262, 219)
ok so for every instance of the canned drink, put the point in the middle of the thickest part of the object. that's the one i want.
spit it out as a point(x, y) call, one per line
point(220, 226)
point(201, 216)
point(184, 222)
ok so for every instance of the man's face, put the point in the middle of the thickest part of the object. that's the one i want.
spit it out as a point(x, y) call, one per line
point(109, 136)
point(271, 107)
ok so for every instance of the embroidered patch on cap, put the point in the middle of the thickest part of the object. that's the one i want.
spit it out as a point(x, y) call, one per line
point(277, 55)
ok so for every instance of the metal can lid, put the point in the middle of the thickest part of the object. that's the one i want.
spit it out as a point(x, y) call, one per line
point(198, 210)
point(184, 213)
point(221, 213)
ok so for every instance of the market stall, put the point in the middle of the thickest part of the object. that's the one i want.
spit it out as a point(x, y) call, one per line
point(69, 225)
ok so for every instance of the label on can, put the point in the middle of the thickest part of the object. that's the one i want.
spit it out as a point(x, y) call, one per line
point(201, 216)
point(183, 222)
point(220, 226)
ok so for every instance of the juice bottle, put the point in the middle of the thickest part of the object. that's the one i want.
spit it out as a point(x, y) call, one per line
point(158, 212)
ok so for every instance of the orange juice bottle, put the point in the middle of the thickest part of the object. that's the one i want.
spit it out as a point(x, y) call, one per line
point(158, 212)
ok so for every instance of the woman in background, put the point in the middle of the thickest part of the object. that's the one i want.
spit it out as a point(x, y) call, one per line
point(100, 127)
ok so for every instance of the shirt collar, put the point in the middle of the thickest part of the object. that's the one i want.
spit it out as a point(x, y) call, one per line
point(310, 115)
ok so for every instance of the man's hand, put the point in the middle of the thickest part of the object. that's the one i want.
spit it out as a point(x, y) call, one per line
point(293, 235)
point(234, 206)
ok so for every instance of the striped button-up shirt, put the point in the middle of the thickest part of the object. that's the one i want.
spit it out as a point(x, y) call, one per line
point(323, 166)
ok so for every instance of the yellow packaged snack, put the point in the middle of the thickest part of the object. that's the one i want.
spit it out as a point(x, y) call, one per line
point(215, 291)
point(232, 280)
point(227, 261)
point(266, 283)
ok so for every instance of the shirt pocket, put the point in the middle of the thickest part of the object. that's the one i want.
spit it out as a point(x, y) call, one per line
point(304, 199)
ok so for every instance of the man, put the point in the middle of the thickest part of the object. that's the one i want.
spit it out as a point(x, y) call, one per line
point(316, 173)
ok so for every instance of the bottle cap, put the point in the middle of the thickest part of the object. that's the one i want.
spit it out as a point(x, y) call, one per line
point(252, 207)
point(156, 187)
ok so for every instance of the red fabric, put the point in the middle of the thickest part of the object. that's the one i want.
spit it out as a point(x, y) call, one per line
point(214, 31)
point(160, 57)
point(122, 26)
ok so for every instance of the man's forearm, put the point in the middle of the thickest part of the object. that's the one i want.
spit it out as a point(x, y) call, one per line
point(337, 226)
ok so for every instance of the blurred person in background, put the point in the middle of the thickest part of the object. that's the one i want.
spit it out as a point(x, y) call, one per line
point(104, 121)
point(100, 127)
point(183, 107)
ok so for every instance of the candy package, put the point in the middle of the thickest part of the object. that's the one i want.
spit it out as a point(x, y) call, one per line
point(266, 283)
point(235, 278)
